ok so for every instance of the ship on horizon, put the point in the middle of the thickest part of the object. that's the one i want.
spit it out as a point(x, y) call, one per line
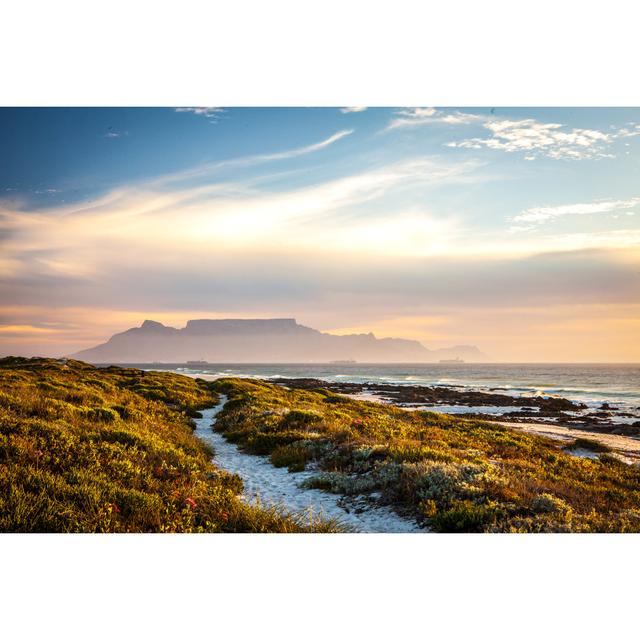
point(452, 361)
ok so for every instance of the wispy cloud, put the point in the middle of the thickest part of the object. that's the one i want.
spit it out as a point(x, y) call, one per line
point(112, 133)
point(300, 151)
point(211, 113)
point(353, 109)
point(419, 116)
point(155, 223)
point(249, 161)
point(537, 215)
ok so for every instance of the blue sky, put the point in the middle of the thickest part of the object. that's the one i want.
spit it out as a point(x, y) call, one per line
point(92, 150)
point(513, 229)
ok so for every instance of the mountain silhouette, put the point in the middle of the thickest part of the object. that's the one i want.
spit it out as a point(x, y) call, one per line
point(249, 340)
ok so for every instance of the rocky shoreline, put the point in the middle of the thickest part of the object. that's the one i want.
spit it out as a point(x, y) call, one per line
point(538, 409)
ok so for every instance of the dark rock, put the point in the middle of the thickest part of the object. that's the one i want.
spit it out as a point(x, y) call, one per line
point(423, 395)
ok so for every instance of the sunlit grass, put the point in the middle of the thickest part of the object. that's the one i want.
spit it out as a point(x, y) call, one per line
point(84, 449)
point(450, 473)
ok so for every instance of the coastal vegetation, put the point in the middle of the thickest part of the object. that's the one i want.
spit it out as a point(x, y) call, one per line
point(450, 474)
point(85, 449)
point(112, 449)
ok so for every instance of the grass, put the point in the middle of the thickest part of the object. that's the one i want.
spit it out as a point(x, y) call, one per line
point(590, 445)
point(452, 474)
point(84, 449)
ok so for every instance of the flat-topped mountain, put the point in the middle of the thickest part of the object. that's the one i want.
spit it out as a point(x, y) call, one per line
point(273, 340)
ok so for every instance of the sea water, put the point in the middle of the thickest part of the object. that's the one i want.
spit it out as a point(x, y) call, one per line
point(592, 384)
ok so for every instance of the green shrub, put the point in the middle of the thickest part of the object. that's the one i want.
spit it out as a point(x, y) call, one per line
point(298, 419)
point(264, 443)
point(417, 453)
point(590, 445)
point(293, 456)
point(120, 436)
point(101, 414)
point(548, 503)
point(123, 412)
point(443, 483)
point(466, 516)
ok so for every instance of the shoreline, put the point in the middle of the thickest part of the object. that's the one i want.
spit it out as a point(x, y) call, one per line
point(559, 425)
point(550, 410)
point(485, 405)
point(605, 397)
point(621, 438)
point(627, 448)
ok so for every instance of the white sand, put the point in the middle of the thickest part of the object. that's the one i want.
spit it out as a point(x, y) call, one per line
point(627, 449)
point(266, 484)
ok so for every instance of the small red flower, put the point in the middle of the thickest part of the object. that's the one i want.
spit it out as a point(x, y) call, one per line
point(356, 422)
point(191, 502)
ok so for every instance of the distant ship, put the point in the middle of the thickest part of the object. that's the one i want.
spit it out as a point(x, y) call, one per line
point(452, 361)
point(342, 362)
point(197, 363)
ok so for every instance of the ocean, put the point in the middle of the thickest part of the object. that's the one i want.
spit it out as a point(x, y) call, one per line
point(592, 384)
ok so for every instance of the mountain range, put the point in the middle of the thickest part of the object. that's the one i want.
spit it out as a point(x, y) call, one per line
point(252, 340)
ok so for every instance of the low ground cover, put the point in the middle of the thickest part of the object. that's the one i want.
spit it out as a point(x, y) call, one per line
point(449, 473)
point(86, 449)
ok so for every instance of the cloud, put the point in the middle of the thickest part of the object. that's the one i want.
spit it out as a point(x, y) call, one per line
point(300, 151)
point(211, 113)
point(631, 130)
point(249, 161)
point(80, 240)
point(352, 109)
point(349, 250)
point(301, 252)
point(536, 139)
point(537, 215)
point(428, 115)
point(26, 330)
point(349, 291)
point(113, 133)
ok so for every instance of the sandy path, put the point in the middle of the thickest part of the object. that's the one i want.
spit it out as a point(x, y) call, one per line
point(276, 486)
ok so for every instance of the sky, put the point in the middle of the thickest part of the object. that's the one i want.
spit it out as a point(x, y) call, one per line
point(513, 229)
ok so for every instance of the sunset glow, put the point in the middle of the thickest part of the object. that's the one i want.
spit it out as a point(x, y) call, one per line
point(516, 230)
